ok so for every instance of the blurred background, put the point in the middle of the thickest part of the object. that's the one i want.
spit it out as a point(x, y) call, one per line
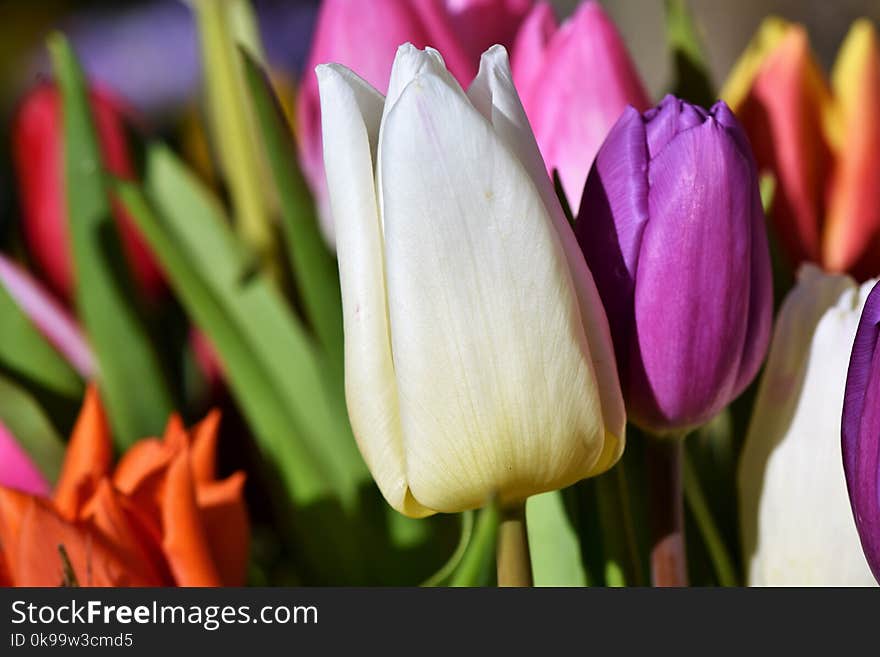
point(147, 50)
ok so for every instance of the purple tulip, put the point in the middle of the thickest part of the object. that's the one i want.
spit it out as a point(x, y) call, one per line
point(860, 427)
point(672, 228)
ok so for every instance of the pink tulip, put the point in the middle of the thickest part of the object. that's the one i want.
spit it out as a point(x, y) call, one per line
point(575, 80)
point(17, 470)
point(364, 36)
point(48, 316)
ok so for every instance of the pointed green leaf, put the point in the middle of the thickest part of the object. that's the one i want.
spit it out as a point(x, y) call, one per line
point(131, 380)
point(27, 421)
point(315, 271)
point(29, 357)
point(220, 24)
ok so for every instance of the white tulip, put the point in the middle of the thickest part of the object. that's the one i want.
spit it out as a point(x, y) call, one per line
point(797, 524)
point(477, 353)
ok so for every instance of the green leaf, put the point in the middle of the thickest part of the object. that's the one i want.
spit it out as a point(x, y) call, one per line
point(476, 564)
point(221, 24)
point(132, 386)
point(553, 542)
point(693, 82)
point(443, 576)
point(261, 401)
point(30, 358)
point(272, 362)
point(22, 415)
point(315, 271)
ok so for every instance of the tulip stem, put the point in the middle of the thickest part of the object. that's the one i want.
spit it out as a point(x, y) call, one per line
point(514, 561)
point(668, 564)
point(696, 500)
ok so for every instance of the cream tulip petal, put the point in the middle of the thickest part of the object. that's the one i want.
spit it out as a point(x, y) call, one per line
point(497, 394)
point(410, 62)
point(494, 95)
point(796, 521)
point(351, 111)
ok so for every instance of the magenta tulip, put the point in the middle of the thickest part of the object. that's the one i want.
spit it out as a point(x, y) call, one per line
point(364, 36)
point(17, 470)
point(575, 80)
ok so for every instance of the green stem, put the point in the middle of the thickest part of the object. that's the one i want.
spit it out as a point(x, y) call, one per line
point(513, 559)
point(618, 532)
point(696, 500)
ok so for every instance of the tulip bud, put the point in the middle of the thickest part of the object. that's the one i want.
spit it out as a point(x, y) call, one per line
point(796, 522)
point(861, 431)
point(852, 230)
point(672, 228)
point(17, 470)
point(778, 93)
point(477, 354)
point(819, 141)
point(575, 81)
point(365, 35)
point(37, 151)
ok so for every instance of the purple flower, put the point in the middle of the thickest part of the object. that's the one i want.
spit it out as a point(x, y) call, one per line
point(672, 228)
point(860, 428)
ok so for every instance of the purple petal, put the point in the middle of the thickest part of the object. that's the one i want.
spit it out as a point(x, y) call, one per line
point(861, 430)
point(611, 220)
point(48, 316)
point(668, 119)
point(17, 470)
point(694, 275)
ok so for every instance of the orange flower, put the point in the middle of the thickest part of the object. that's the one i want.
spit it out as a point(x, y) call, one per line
point(161, 518)
point(821, 140)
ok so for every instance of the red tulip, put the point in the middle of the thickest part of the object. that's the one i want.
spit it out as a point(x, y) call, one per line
point(37, 139)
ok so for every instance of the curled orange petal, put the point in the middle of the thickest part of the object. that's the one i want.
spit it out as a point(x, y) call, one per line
point(185, 542)
point(227, 526)
point(204, 447)
point(88, 458)
point(107, 513)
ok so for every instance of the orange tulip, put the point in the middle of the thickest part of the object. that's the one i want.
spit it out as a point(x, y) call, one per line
point(819, 138)
point(160, 518)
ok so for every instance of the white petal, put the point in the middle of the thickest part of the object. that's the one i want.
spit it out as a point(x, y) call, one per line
point(497, 391)
point(410, 62)
point(494, 95)
point(797, 524)
point(351, 111)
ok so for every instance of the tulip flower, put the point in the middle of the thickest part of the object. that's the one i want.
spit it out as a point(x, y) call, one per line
point(364, 37)
point(37, 152)
point(17, 470)
point(672, 228)
point(478, 361)
point(575, 81)
point(159, 518)
point(797, 526)
point(819, 139)
point(48, 316)
point(861, 431)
